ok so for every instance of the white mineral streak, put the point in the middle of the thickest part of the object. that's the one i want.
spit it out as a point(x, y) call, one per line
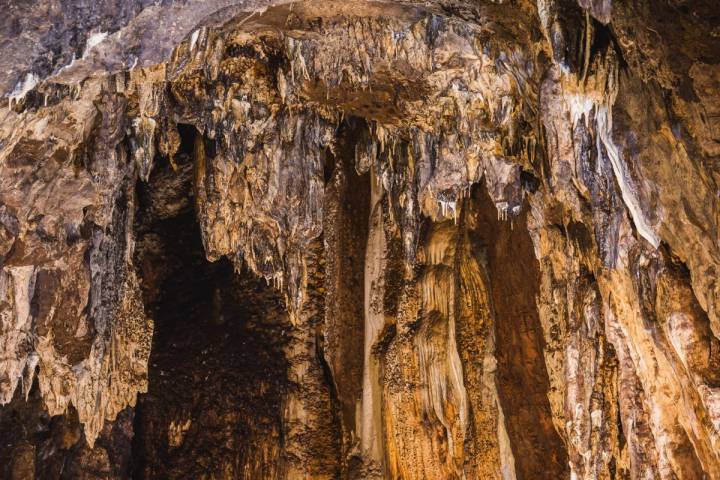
point(685, 332)
point(448, 208)
point(507, 459)
point(22, 88)
point(682, 335)
point(193, 39)
point(582, 106)
point(604, 131)
point(711, 399)
point(371, 436)
point(94, 40)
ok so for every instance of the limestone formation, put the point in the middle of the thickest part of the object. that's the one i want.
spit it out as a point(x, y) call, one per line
point(450, 239)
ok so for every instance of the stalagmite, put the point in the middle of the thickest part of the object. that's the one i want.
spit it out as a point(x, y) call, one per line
point(371, 441)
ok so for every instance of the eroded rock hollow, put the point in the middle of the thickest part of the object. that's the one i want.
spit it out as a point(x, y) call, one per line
point(360, 240)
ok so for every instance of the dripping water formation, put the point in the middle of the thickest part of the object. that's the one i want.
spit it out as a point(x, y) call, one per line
point(360, 240)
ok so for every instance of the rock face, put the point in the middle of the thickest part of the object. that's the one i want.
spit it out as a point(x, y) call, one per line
point(360, 240)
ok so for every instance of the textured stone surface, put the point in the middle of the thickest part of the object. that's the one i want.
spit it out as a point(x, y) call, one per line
point(360, 239)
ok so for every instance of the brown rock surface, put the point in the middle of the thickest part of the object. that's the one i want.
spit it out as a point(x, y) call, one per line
point(449, 239)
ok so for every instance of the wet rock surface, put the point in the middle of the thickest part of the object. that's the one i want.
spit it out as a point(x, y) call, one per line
point(360, 240)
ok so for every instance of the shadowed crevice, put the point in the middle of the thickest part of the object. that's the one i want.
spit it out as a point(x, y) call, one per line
point(217, 373)
point(522, 378)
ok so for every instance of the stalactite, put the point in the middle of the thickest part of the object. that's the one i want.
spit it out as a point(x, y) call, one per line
point(393, 240)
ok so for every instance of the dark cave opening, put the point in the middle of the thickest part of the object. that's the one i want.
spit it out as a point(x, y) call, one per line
point(522, 376)
point(345, 231)
point(217, 373)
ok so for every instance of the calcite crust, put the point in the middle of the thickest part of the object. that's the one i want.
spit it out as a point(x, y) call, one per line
point(360, 240)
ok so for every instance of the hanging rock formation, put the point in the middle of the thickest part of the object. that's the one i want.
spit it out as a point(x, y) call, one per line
point(360, 240)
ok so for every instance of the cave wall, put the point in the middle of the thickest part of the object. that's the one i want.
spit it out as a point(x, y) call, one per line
point(367, 240)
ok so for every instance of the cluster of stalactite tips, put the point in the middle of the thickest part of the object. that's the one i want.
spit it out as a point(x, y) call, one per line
point(360, 240)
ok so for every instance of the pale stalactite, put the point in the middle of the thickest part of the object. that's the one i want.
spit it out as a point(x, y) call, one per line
point(17, 287)
point(371, 436)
